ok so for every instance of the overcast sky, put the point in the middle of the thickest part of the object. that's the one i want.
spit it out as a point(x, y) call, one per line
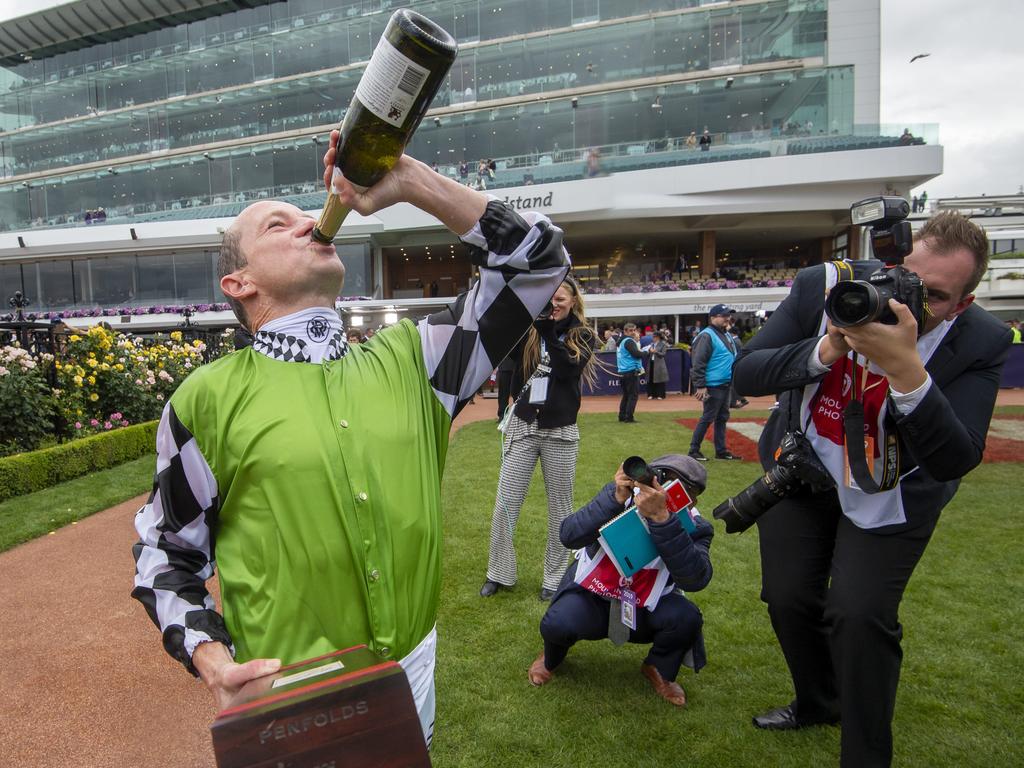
point(972, 85)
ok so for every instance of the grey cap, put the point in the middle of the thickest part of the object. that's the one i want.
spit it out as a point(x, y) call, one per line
point(690, 471)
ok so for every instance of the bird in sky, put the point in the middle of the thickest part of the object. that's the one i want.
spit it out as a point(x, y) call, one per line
point(919, 56)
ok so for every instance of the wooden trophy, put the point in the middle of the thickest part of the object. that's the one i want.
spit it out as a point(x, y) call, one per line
point(346, 709)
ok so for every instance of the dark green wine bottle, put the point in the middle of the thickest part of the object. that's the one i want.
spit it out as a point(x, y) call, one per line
point(403, 76)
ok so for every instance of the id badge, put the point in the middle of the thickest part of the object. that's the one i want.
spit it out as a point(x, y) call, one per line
point(539, 391)
point(869, 458)
point(628, 598)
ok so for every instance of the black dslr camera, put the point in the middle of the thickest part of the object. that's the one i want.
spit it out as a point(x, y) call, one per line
point(855, 302)
point(797, 465)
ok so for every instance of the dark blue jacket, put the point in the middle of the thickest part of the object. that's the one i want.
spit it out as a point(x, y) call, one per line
point(687, 556)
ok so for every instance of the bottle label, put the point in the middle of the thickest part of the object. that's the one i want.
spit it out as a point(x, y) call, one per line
point(391, 83)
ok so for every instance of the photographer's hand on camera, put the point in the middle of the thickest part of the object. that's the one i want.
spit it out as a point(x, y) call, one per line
point(834, 346)
point(623, 486)
point(893, 348)
point(651, 502)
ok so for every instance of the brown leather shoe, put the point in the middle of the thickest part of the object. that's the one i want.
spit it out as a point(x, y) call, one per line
point(539, 674)
point(672, 692)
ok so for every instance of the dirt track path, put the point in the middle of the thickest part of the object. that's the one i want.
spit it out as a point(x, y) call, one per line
point(84, 681)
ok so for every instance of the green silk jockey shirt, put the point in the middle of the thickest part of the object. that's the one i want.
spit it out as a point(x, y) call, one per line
point(329, 528)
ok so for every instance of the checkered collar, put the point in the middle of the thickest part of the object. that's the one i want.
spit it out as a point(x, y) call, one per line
point(313, 335)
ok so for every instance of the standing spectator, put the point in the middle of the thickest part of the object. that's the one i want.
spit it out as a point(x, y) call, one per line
point(558, 354)
point(735, 401)
point(681, 266)
point(464, 173)
point(705, 141)
point(1015, 330)
point(923, 200)
point(712, 357)
point(691, 140)
point(659, 369)
point(629, 362)
point(914, 203)
point(482, 172)
point(593, 163)
point(354, 336)
point(610, 342)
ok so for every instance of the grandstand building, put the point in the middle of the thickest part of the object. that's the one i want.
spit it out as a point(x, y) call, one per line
point(131, 133)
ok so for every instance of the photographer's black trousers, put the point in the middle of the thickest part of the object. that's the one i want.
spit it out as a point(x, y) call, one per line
point(833, 592)
point(576, 614)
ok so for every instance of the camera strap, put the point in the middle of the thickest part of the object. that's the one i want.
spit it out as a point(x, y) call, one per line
point(853, 429)
point(843, 270)
point(543, 369)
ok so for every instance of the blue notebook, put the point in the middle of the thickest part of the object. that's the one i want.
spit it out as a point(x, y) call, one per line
point(628, 542)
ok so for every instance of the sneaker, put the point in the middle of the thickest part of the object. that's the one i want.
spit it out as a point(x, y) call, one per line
point(697, 455)
point(727, 456)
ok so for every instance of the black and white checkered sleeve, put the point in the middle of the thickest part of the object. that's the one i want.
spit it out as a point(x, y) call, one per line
point(522, 262)
point(174, 554)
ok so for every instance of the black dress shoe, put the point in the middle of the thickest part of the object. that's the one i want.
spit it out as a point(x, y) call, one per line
point(489, 588)
point(785, 719)
point(546, 594)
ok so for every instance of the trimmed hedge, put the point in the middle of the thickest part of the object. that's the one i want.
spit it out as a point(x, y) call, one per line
point(28, 472)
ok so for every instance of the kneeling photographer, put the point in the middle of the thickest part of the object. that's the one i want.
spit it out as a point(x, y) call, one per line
point(906, 365)
point(595, 601)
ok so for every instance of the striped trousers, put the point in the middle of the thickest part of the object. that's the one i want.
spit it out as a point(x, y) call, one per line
point(557, 450)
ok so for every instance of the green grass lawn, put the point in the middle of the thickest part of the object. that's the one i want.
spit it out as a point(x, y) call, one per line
point(36, 514)
point(960, 700)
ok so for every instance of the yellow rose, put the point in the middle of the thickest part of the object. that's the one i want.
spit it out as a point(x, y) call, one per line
point(94, 397)
point(91, 380)
point(75, 337)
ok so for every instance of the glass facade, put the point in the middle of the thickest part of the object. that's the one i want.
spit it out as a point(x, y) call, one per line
point(146, 279)
point(742, 111)
point(150, 114)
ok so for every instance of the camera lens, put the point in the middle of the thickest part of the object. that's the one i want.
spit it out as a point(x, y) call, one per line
point(852, 302)
point(637, 469)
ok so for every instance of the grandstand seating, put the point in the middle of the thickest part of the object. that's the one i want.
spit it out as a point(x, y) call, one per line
point(842, 144)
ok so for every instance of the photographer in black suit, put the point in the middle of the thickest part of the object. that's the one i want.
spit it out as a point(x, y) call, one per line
point(835, 563)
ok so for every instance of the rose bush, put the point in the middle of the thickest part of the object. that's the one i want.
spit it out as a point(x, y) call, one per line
point(26, 402)
point(104, 380)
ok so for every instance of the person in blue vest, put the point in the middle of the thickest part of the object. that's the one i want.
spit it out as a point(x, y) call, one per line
point(711, 358)
point(629, 361)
